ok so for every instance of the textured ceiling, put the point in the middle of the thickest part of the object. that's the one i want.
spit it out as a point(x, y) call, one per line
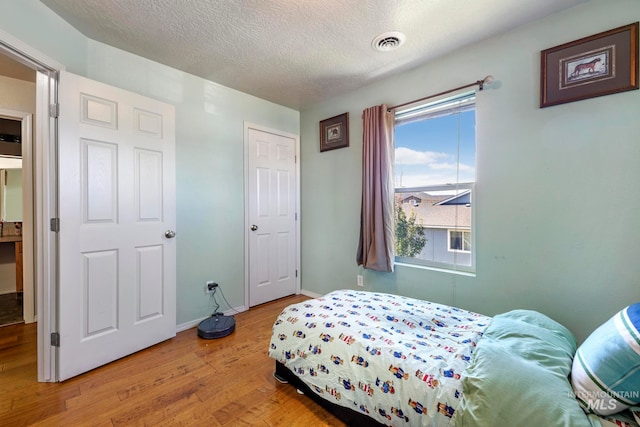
point(295, 52)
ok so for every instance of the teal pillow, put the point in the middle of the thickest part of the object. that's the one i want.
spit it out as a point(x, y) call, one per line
point(606, 369)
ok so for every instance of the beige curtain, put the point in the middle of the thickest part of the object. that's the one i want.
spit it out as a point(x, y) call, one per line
point(377, 234)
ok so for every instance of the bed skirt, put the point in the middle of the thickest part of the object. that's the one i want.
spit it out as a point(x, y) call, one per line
point(348, 416)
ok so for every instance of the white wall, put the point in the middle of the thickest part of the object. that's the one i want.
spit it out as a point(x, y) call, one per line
point(13, 195)
point(556, 198)
point(17, 94)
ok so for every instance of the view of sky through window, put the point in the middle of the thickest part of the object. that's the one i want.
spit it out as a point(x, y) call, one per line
point(426, 151)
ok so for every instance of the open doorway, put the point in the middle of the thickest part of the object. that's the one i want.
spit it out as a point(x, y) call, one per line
point(22, 66)
point(11, 195)
point(17, 108)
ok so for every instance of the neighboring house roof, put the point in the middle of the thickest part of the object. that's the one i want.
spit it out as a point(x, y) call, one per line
point(432, 212)
point(463, 198)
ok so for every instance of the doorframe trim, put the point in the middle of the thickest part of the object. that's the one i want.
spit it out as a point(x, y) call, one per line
point(45, 200)
point(296, 138)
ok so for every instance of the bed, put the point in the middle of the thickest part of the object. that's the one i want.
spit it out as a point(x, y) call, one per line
point(382, 359)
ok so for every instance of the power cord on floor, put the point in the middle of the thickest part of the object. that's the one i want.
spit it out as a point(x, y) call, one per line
point(215, 301)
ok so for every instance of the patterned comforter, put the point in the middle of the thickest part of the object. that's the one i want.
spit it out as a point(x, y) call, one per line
point(396, 359)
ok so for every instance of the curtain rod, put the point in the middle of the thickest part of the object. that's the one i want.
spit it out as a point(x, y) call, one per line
point(487, 80)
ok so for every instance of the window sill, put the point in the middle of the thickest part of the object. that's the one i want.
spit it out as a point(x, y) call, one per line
point(438, 269)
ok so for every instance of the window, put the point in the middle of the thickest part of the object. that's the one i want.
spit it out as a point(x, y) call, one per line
point(435, 153)
point(460, 240)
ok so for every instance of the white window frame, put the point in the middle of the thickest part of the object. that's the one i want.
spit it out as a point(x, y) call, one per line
point(458, 230)
point(413, 113)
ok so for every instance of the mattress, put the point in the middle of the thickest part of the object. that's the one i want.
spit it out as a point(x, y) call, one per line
point(396, 359)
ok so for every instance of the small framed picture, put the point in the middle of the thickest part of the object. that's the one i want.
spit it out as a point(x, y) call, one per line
point(597, 65)
point(334, 132)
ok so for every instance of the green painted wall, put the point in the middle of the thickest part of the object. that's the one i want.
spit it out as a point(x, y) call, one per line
point(209, 147)
point(37, 26)
point(209, 168)
point(557, 195)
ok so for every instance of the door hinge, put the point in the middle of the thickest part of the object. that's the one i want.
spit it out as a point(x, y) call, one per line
point(296, 273)
point(54, 110)
point(55, 339)
point(54, 224)
point(296, 216)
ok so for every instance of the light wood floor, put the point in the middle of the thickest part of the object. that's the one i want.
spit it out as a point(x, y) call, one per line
point(186, 381)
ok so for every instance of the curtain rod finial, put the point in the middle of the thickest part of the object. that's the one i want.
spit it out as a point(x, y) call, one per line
point(486, 81)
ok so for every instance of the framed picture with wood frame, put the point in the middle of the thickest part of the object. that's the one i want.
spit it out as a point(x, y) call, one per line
point(334, 132)
point(598, 65)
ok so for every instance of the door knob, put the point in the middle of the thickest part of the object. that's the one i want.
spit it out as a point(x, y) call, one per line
point(254, 227)
point(169, 234)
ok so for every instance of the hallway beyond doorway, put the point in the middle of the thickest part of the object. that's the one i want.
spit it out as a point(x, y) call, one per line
point(11, 309)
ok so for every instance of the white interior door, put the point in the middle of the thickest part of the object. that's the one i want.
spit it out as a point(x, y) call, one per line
point(272, 204)
point(117, 288)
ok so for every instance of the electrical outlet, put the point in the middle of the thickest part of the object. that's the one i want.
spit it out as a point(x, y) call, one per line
point(360, 280)
point(210, 286)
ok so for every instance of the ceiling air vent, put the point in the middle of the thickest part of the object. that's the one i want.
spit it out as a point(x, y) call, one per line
point(386, 42)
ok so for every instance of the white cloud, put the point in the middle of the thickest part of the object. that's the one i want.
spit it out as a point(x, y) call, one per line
point(421, 168)
point(452, 167)
point(407, 156)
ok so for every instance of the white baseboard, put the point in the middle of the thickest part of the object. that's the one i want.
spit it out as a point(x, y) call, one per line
point(192, 324)
point(310, 294)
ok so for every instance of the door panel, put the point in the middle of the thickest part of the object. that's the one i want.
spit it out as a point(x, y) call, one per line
point(272, 209)
point(99, 181)
point(100, 283)
point(148, 185)
point(150, 282)
point(117, 199)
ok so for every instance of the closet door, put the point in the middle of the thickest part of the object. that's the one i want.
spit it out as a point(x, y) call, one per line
point(272, 191)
